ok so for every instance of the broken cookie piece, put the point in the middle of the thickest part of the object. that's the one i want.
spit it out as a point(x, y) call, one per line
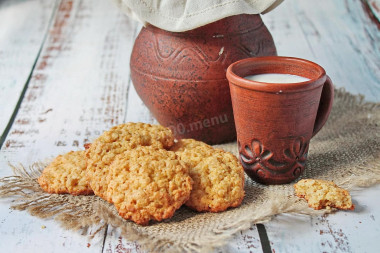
point(322, 194)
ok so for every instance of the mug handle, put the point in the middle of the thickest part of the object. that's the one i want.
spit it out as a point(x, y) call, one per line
point(325, 105)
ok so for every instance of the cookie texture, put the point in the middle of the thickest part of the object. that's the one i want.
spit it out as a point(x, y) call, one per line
point(148, 184)
point(218, 176)
point(323, 194)
point(103, 151)
point(66, 174)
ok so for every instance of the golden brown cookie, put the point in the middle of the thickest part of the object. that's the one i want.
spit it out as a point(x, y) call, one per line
point(323, 194)
point(190, 148)
point(103, 151)
point(218, 177)
point(190, 144)
point(66, 174)
point(148, 184)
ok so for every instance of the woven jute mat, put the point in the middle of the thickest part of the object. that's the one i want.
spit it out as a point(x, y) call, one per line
point(347, 151)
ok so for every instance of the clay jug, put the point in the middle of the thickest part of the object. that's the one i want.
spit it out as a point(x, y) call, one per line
point(181, 77)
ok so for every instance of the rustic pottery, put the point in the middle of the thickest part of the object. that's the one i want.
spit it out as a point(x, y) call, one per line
point(181, 77)
point(275, 121)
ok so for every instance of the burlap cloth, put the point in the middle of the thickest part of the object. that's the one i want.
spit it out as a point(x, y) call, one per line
point(347, 150)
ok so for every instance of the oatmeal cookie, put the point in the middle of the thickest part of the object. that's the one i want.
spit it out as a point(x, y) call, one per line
point(323, 194)
point(218, 177)
point(148, 184)
point(192, 150)
point(66, 174)
point(190, 144)
point(103, 151)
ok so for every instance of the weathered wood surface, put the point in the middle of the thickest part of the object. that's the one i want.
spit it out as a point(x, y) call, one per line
point(78, 89)
point(80, 86)
point(22, 33)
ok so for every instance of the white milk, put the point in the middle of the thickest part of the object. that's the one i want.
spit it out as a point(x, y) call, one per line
point(277, 78)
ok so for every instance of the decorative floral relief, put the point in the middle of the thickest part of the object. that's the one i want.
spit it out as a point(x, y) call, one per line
point(255, 157)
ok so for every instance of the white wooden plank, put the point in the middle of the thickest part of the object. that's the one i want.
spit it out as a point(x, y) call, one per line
point(244, 242)
point(20, 232)
point(21, 34)
point(78, 89)
point(287, 33)
point(341, 36)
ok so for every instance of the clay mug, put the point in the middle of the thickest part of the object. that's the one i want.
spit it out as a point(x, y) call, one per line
point(275, 121)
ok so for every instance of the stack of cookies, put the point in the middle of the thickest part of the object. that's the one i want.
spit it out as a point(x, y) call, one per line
point(148, 175)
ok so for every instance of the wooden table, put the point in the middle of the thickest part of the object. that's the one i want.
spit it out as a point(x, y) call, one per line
point(64, 78)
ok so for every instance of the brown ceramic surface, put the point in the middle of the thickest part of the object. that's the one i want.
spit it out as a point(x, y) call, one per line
point(181, 77)
point(274, 121)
